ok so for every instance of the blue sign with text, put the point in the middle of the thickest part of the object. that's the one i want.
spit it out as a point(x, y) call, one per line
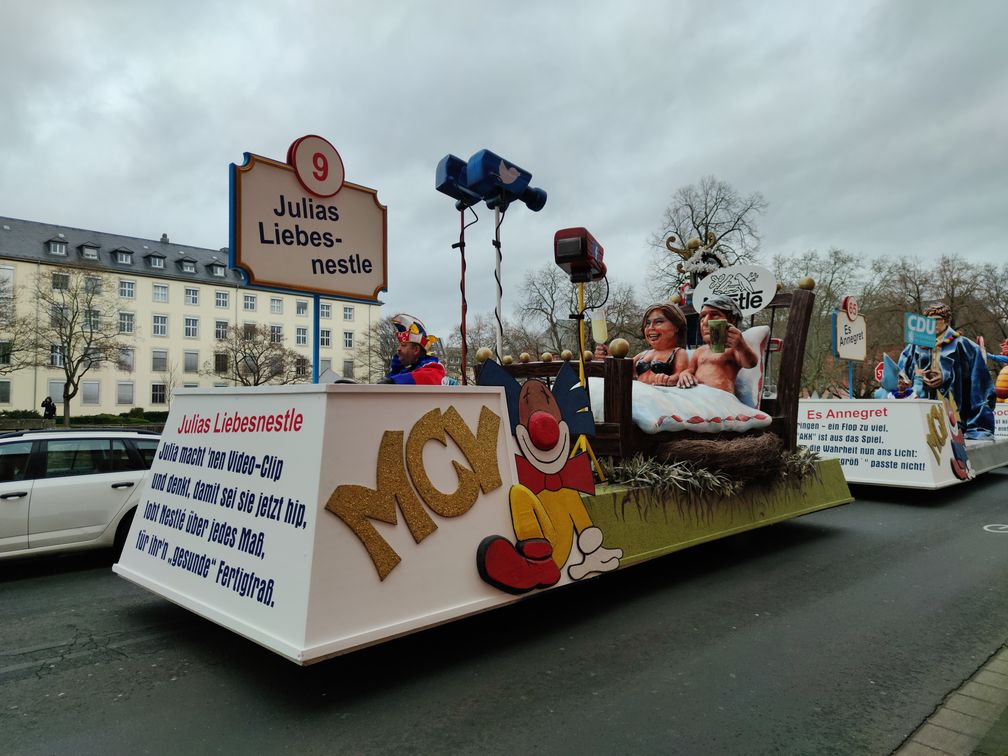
point(918, 330)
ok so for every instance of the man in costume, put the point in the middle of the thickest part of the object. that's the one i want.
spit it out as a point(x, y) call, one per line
point(961, 373)
point(411, 364)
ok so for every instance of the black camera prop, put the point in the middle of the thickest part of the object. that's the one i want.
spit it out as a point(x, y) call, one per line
point(579, 254)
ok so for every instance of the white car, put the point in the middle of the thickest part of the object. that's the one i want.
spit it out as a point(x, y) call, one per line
point(66, 490)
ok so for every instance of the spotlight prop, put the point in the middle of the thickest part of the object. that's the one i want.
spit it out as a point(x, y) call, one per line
point(578, 253)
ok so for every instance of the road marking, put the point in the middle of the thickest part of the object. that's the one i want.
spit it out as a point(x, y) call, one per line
point(996, 528)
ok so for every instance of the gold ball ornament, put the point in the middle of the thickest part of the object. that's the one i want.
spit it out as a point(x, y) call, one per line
point(780, 285)
point(693, 244)
point(507, 359)
point(676, 299)
point(588, 355)
point(483, 354)
point(807, 283)
point(547, 357)
point(566, 355)
point(524, 357)
point(619, 347)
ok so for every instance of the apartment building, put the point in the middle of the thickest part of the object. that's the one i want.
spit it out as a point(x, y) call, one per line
point(173, 303)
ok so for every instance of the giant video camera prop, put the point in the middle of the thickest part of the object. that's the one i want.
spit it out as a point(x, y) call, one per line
point(578, 253)
point(485, 177)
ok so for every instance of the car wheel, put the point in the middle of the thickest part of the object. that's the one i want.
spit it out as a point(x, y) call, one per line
point(122, 532)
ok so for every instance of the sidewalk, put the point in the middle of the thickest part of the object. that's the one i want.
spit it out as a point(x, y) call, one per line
point(972, 721)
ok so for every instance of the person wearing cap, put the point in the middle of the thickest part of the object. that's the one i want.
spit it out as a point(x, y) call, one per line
point(411, 365)
point(718, 369)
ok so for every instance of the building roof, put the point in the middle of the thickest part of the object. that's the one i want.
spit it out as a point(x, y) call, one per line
point(29, 241)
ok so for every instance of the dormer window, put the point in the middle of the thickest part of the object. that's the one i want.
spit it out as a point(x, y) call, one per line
point(89, 252)
point(124, 257)
point(57, 247)
point(157, 262)
point(217, 270)
point(188, 266)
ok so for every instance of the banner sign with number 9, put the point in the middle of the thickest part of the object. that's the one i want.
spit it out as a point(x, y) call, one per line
point(301, 226)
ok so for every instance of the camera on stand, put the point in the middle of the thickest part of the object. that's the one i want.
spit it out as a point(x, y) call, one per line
point(578, 253)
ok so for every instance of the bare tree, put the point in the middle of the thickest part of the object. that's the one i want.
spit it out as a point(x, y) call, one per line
point(17, 343)
point(76, 327)
point(547, 301)
point(170, 379)
point(374, 353)
point(252, 355)
point(716, 215)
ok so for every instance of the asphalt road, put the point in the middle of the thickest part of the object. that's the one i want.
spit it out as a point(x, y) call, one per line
point(839, 633)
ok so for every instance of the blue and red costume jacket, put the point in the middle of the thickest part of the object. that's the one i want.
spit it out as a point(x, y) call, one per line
point(426, 371)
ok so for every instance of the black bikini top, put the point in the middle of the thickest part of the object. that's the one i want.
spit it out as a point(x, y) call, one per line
point(663, 367)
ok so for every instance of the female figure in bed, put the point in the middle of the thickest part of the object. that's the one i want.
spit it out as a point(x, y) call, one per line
point(664, 330)
point(713, 368)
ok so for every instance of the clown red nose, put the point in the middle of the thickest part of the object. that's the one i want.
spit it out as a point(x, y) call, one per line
point(544, 431)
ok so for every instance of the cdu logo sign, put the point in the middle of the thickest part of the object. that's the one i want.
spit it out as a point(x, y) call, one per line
point(918, 330)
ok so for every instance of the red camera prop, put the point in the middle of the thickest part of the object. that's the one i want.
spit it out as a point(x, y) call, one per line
point(576, 251)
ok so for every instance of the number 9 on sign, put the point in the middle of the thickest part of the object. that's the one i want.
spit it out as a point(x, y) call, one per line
point(317, 165)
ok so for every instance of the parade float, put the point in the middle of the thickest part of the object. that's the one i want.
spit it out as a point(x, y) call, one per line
point(318, 519)
point(936, 423)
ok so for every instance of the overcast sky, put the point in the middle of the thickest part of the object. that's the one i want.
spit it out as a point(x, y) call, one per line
point(879, 128)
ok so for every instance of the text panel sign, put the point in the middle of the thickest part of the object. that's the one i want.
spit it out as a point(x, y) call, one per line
point(900, 442)
point(918, 330)
point(286, 237)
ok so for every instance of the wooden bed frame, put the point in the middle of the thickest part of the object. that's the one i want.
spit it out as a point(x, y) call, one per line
point(617, 436)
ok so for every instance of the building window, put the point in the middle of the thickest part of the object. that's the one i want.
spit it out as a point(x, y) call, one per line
point(124, 257)
point(126, 322)
point(157, 262)
point(191, 362)
point(348, 368)
point(160, 325)
point(93, 357)
point(5, 392)
point(348, 339)
point(220, 362)
point(60, 281)
point(191, 296)
point(301, 367)
point(217, 270)
point(127, 289)
point(125, 362)
point(92, 320)
point(5, 353)
point(188, 266)
point(192, 328)
point(89, 253)
point(58, 316)
point(249, 302)
point(249, 330)
point(56, 355)
point(325, 310)
point(92, 285)
point(301, 336)
point(160, 293)
point(57, 248)
point(56, 390)
point(276, 334)
point(325, 337)
point(222, 298)
point(89, 392)
point(190, 385)
point(220, 329)
point(159, 360)
point(276, 306)
point(158, 394)
point(324, 365)
point(347, 312)
point(124, 393)
point(301, 307)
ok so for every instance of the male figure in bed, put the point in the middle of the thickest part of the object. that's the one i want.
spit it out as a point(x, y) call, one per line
point(963, 374)
point(713, 368)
